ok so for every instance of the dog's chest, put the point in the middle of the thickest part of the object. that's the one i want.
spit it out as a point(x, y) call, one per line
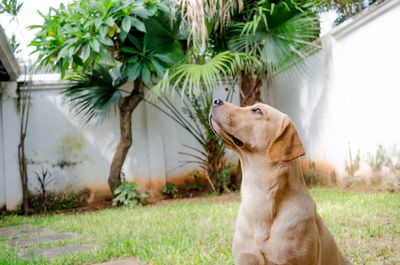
point(254, 211)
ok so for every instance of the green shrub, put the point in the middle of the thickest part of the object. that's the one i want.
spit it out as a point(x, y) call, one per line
point(128, 194)
point(170, 190)
point(223, 179)
point(352, 164)
point(194, 186)
point(313, 177)
point(385, 165)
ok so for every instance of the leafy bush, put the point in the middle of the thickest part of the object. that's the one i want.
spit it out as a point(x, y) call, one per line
point(385, 165)
point(194, 186)
point(223, 179)
point(170, 190)
point(313, 177)
point(44, 200)
point(128, 194)
point(44, 179)
point(352, 164)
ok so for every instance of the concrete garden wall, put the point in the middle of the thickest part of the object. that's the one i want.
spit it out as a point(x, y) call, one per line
point(79, 155)
point(348, 96)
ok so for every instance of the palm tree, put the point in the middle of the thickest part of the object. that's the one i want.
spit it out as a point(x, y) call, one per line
point(263, 36)
point(276, 32)
point(272, 31)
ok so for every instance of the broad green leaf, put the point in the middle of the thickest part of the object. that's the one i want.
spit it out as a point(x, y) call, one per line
point(85, 53)
point(126, 24)
point(62, 53)
point(97, 22)
point(123, 35)
point(146, 75)
point(106, 41)
point(110, 21)
point(164, 58)
point(139, 25)
point(141, 11)
point(129, 50)
point(95, 45)
point(103, 31)
point(106, 55)
point(158, 68)
point(134, 71)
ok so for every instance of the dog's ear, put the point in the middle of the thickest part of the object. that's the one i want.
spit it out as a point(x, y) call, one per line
point(287, 145)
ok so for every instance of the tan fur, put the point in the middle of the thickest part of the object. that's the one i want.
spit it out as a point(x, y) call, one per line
point(277, 221)
point(287, 146)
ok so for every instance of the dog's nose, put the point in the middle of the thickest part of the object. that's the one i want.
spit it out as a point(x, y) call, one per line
point(218, 102)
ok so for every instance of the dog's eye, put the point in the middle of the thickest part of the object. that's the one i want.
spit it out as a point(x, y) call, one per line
point(257, 110)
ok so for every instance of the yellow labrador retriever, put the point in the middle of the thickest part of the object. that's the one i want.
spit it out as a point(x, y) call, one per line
point(277, 221)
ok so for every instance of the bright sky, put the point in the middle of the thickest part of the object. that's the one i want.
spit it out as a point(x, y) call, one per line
point(29, 16)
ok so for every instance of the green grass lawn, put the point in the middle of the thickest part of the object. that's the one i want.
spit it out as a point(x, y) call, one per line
point(199, 231)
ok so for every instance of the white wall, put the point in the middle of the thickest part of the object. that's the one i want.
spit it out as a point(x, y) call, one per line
point(79, 155)
point(10, 171)
point(350, 92)
point(2, 175)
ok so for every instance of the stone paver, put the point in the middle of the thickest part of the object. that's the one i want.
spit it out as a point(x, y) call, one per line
point(130, 261)
point(24, 236)
point(24, 242)
point(62, 250)
point(24, 231)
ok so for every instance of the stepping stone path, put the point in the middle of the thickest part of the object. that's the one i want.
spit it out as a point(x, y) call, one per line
point(24, 236)
point(26, 242)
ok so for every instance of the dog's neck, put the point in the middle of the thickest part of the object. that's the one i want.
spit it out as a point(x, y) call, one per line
point(269, 184)
point(259, 170)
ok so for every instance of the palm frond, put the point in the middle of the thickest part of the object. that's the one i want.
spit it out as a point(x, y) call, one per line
point(193, 79)
point(198, 13)
point(278, 34)
point(94, 94)
point(290, 39)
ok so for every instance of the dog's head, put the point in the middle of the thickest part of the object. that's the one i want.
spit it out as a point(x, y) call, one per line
point(257, 129)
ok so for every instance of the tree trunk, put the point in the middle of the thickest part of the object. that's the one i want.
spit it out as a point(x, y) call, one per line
point(250, 89)
point(126, 107)
point(23, 175)
point(24, 101)
point(250, 93)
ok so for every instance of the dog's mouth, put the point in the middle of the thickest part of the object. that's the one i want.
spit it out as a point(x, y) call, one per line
point(235, 140)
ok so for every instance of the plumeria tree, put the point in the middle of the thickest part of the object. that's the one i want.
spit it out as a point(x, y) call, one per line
point(101, 45)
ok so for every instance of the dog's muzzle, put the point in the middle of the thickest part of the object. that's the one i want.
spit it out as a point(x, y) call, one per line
point(217, 103)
